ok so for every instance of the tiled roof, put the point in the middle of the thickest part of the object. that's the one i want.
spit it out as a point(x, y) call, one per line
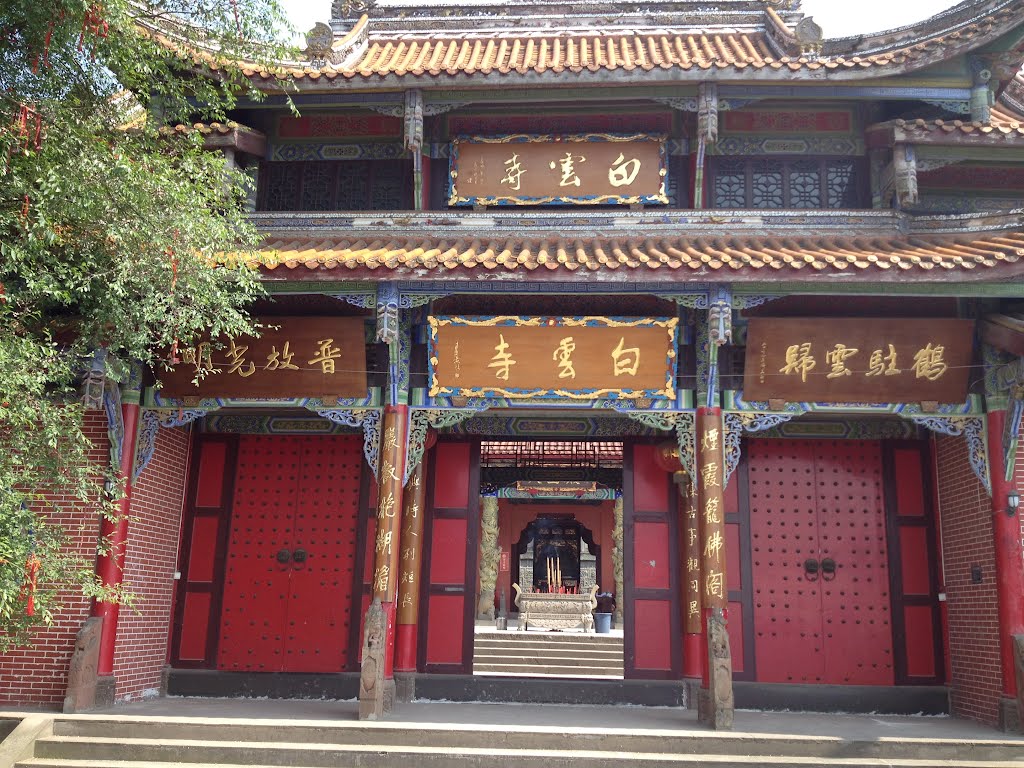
point(1001, 125)
point(206, 129)
point(525, 53)
point(575, 53)
point(866, 256)
point(370, 53)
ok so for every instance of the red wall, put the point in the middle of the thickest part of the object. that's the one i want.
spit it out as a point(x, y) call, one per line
point(966, 515)
point(142, 632)
point(513, 518)
point(37, 676)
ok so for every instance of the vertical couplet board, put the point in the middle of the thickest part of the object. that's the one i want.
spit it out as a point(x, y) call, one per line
point(204, 538)
point(448, 603)
point(653, 626)
point(815, 503)
point(283, 612)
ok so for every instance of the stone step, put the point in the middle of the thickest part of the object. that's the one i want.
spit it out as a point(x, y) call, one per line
point(280, 743)
point(564, 655)
point(533, 670)
point(542, 642)
point(545, 665)
point(554, 637)
point(541, 657)
point(427, 758)
point(557, 759)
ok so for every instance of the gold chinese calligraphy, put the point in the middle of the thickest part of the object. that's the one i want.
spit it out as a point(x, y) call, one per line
point(588, 169)
point(295, 357)
point(575, 357)
point(862, 360)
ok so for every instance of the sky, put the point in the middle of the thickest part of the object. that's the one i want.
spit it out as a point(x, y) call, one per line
point(838, 18)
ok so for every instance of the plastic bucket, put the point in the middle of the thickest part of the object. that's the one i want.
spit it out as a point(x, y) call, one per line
point(602, 623)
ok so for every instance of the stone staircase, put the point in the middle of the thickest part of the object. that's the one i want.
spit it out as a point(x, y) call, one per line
point(159, 742)
point(548, 654)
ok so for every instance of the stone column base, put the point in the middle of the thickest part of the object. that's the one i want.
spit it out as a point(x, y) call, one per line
point(389, 695)
point(405, 687)
point(87, 690)
point(712, 713)
point(1010, 716)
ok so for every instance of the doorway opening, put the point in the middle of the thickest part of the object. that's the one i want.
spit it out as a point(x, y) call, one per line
point(556, 528)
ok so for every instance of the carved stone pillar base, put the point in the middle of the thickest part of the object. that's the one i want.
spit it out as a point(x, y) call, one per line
point(405, 687)
point(165, 680)
point(389, 695)
point(485, 606)
point(716, 702)
point(371, 675)
point(84, 687)
point(1009, 717)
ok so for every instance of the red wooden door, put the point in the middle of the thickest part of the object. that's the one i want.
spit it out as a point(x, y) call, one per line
point(287, 591)
point(651, 568)
point(820, 562)
point(327, 514)
point(784, 535)
point(855, 600)
point(451, 530)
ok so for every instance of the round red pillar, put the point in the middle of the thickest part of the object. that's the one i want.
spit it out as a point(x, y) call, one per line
point(110, 567)
point(1009, 567)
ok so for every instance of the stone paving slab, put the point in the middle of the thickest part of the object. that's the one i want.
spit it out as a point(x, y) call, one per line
point(608, 719)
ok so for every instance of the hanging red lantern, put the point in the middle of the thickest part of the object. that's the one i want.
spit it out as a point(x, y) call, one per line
point(667, 457)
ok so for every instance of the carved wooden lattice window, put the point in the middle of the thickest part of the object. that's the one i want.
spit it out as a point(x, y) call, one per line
point(342, 185)
point(771, 183)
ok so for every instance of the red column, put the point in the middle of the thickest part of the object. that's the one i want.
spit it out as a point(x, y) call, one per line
point(693, 616)
point(711, 518)
point(110, 567)
point(393, 455)
point(1009, 566)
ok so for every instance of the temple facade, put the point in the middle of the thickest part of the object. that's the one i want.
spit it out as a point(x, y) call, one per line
point(680, 304)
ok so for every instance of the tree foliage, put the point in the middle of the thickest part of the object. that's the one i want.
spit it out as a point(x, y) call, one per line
point(109, 237)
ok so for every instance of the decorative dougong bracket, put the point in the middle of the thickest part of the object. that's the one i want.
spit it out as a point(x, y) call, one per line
point(368, 420)
point(145, 446)
point(421, 419)
point(738, 423)
point(1011, 433)
point(974, 431)
point(183, 416)
point(115, 421)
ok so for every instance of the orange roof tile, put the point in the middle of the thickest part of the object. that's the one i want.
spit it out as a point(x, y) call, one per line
point(877, 254)
point(1000, 125)
point(367, 52)
point(527, 52)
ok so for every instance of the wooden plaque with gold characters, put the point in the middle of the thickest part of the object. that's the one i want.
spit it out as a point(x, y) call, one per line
point(295, 357)
point(582, 169)
point(858, 360)
point(573, 357)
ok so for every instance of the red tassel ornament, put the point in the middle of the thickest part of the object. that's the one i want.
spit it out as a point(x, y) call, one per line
point(31, 578)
